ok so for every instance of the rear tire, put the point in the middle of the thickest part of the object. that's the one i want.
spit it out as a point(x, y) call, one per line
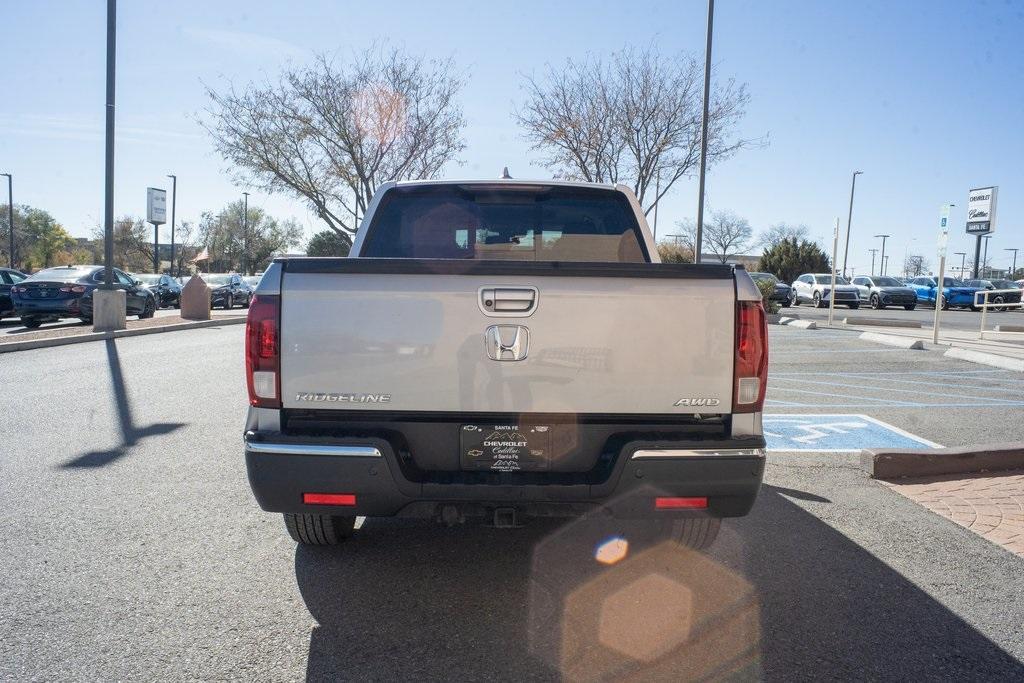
point(794, 299)
point(999, 300)
point(697, 533)
point(910, 307)
point(318, 529)
point(31, 323)
point(817, 300)
point(876, 302)
point(148, 310)
point(229, 303)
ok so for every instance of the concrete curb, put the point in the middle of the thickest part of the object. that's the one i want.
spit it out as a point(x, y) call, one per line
point(882, 463)
point(882, 322)
point(893, 340)
point(803, 324)
point(995, 360)
point(10, 347)
point(1009, 328)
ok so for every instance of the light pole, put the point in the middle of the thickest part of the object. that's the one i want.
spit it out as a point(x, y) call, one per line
point(873, 252)
point(885, 264)
point(1013, 269)
point(10, 212)
point(884, 237)
point(849, 219)
point(245, 236)
point(963, 261)
point(984, 259)
point(699, 241)
point(174, 201)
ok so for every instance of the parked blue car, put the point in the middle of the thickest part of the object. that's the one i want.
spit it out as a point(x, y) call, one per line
point(954, 292)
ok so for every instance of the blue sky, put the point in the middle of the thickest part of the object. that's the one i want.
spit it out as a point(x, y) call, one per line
point(925, 97)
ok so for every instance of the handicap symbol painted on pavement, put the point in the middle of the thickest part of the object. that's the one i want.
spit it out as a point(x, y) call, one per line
point(836, 433)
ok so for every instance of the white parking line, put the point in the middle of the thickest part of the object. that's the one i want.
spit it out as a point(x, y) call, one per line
point(903, 391)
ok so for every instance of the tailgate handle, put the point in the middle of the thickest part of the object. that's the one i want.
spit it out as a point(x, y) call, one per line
point(508, 300)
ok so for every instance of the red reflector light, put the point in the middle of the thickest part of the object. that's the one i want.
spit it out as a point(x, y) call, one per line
point(670, 503)
point(329, 498)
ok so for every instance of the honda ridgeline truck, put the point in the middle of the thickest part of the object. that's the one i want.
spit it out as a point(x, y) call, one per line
point(504, 349)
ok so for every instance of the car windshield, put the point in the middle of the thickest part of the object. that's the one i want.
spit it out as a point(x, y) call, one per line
point(952, 282)
point(827, 280)
point(60, 274)
point(217, 279)
point(764, 277)
point(887, 282)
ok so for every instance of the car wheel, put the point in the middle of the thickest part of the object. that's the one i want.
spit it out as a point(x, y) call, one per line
point(31, 323)
point(229, 302)
point(876, 302)
point(817, 300)
point(319, 529)
point(794, 299)
point(909, 307)
point(945, 303)
point(149, 309)
point(697, 533)
point(999, 300)
point(248, 300)
point(785, 303)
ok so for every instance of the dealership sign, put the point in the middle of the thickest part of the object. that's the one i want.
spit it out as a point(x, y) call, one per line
point(981, 210)
point(156, 206)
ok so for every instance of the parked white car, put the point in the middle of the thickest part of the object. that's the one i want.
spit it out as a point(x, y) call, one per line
point(816, 288)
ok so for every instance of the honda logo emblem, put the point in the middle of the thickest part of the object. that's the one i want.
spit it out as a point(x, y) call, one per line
point(507, 342)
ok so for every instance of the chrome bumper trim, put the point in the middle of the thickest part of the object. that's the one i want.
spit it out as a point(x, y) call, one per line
point(701, 453)
point(312, 449)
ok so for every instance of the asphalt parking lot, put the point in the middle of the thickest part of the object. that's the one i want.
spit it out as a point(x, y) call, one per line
point(132, 548)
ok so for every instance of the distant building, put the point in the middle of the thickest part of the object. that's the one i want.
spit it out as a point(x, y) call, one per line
point(748, 261)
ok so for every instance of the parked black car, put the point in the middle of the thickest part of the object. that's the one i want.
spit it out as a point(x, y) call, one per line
point(228, 290)
point(166, 289)
point(782, 290)
point(1005, 298)
point(881, 291)
point(8, 278)
point(66, 292)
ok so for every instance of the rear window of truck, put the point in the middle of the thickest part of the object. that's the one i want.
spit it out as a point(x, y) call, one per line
point(517, 223)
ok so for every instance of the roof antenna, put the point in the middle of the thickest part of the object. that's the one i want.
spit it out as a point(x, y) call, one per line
point(505, 175)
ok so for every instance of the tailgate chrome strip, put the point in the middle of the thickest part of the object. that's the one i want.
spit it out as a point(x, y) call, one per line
point(700, 453)
point(312, 449)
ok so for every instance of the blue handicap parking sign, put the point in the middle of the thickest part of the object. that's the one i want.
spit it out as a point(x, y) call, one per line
point(836, 433)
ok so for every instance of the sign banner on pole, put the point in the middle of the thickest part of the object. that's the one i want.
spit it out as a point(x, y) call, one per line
point(156, 205)
point(981, 210)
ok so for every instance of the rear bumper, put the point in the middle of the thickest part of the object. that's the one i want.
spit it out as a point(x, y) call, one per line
point(281, 470)
point(47, 307)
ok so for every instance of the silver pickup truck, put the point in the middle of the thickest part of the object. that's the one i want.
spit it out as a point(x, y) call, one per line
point(504, 349)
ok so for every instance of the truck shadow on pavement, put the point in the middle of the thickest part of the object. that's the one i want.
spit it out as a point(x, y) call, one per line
point(130, 434)
point(781, 596)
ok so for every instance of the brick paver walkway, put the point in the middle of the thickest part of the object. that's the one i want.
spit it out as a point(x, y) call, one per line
point(990, 504)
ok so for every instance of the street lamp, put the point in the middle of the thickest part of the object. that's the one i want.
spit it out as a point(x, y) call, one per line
point(849, 219)
point(245, 236)
point(10, 212)
point(884, 237)
point(873, 252)
point(699, 241)
point(984, 259)
point(174, 201)
point(963, 261)
point(1013, 270)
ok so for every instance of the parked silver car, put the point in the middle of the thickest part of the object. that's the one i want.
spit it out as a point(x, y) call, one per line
point(816, 288)
point(880, 291)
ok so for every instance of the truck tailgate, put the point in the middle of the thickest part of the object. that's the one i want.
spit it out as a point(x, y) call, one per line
point(639, 339)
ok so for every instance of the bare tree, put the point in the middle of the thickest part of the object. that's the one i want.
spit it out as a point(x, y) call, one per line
point(915, 265)
point(783, 231)
point(634, 119)
point(725, 234)
point(330, 134)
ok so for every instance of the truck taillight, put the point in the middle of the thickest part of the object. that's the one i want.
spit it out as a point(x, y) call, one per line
point(750, 374)
point(263, 351)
